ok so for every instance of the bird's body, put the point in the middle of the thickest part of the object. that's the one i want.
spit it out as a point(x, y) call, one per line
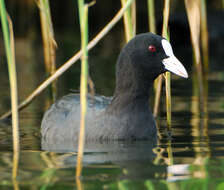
point(127, 116)
point(110, 124)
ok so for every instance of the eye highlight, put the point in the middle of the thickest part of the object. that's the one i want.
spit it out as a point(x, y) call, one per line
point(152, 48)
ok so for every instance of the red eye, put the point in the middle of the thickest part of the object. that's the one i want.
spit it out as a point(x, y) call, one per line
point(152, 48)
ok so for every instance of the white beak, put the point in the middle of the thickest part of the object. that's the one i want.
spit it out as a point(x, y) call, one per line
point(171, 63)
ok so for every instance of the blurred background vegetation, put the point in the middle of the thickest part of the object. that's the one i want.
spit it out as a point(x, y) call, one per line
point(29, 48)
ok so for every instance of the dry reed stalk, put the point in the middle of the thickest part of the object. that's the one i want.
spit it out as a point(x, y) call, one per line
point(151, 16)
point(198, 105)
point(49, 43)
point(193, 14)
point(129, 21)
point(205, 51)
point(79, 184)
point(71, 61)
point(204, 35)
point(166, 12)
point(15, 184)
point(158, 87)
point(200, 135)
point(152, 28)
point(133, 17)
point(168, 98)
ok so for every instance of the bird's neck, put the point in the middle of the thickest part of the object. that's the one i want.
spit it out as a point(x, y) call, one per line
point(133, 93)
point(132, 84)
point(133, 90)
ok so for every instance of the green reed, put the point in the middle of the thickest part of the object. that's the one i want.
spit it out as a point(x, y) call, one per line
point(149, 185)
point(83, 19)
point(10, 54)
point(49, 44)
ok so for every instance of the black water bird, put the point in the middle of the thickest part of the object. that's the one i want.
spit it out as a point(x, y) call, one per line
point(127, 115)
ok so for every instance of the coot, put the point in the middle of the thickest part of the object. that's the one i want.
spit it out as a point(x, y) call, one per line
point(127, 115)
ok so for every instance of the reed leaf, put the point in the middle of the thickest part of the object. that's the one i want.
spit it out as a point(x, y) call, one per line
point(83, 17)
point(10, 54)
point(71, 61)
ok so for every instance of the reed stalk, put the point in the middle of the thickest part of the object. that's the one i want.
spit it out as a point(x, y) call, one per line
point(165, 34)
point(8, 36)
point(149, 185)
point(79, 184)
point(49, 44)
point(152, 28)
point(193, 14)
point(71, 61)
point(83, 18)
point(133, 16)
point(158, 83)
point(166, 12)
point(198, 106)
point(200, 135)
point(205, 51)
point(204, 35)
point(151, 16)
point(129, 21)
point(168, 98)
point(158, 89)
point(15, 184)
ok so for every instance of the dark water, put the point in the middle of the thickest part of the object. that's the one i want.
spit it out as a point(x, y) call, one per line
point(190, 156)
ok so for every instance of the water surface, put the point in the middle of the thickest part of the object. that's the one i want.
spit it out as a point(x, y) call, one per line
point(190, 156)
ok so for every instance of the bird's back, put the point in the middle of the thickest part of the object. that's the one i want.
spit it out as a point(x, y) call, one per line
point(62, 119)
